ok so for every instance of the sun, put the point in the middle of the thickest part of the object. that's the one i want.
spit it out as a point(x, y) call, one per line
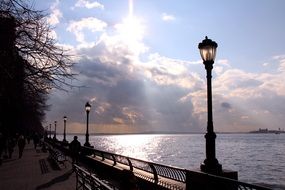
point(131, 30)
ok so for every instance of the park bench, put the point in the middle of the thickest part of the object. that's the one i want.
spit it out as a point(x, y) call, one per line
point(87, 181)
point(58, 157)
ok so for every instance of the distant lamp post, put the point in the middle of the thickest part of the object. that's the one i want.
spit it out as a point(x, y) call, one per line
point(87, 109)
point(50, 131)
point(54, 136)
point(208, 53)
point(46, 132)
point(64, 129)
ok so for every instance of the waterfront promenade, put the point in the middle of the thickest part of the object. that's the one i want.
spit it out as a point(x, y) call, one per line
point(35, 171)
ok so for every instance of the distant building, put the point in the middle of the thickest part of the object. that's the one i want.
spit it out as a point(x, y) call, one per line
point(268, 131)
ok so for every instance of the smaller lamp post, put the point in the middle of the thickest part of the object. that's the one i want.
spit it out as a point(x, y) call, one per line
point(87, 109)
point(64, 129)
point(54, 136)
point(208, 53)
point(46, 132)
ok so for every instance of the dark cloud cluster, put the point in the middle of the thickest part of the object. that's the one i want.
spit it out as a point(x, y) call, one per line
point(119, 94)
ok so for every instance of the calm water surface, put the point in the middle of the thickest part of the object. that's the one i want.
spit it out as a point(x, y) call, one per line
point(258, 158)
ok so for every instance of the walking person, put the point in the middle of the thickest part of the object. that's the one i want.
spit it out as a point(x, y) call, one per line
point(21, 145)
point(28, 138)
point(11, 145)
point(74, 148)
point(36, 140)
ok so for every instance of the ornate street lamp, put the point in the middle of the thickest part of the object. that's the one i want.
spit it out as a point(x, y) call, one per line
point(64, 129)
point(208, 53)
point(87, 109)
point(54, 136)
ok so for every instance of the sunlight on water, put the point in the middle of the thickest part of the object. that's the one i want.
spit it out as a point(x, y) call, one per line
point(259, 158)
point(174, 150)
point(134, 146)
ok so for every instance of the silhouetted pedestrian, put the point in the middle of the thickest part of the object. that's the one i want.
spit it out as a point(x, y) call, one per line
point(74, 148)
point(21, 145)
point(36, 140)
point(11, 145)
point(28, 139)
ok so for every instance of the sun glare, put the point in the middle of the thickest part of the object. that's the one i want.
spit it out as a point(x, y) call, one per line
point(131, 29)
point(135, 145)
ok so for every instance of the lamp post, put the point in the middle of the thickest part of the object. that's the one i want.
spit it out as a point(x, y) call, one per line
point(46, 133)
point(208, 53)
point(54, 136)
point(64, 129)
point(50, 131)
point(87, 109)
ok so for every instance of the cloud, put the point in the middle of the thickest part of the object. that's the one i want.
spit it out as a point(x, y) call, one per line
point(54, 17)
point(165, 94)
point(159, 93)
point(226, 105)
point(258, 96)
point(242, 101)
point(278, 57)
point(89, 23)
point(166, 71)
point(122, 93)
point(89, 4)
point(167, 17)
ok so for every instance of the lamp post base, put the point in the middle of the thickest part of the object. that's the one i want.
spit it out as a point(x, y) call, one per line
point(87, 144)
point(195, 179)
point(211, 166)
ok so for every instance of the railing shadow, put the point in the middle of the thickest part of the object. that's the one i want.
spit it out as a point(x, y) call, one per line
point(58, 179)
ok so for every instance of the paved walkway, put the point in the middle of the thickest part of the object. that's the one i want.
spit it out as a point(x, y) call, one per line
point(34, 171)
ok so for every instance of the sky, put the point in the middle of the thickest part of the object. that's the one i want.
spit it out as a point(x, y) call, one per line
point(138, 64)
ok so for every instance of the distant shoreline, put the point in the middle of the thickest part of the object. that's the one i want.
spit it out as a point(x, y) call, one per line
point(174, 133)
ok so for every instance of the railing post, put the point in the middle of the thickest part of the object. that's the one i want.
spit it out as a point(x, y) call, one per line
point(130, 164)
point(155, 176)
point(114, 159)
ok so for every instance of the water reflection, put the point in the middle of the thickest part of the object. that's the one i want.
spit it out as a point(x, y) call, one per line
point(185, 151)
point(136, 146)
point(257, 157)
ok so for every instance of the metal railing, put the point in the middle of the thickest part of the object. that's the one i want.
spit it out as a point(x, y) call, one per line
point(156, 172)
point(86, 180)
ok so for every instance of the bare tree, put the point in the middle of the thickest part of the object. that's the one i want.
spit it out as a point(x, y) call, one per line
point(47, 65)
point(31, 63)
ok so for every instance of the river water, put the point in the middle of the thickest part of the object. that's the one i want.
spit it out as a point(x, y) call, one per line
point(258, 158)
